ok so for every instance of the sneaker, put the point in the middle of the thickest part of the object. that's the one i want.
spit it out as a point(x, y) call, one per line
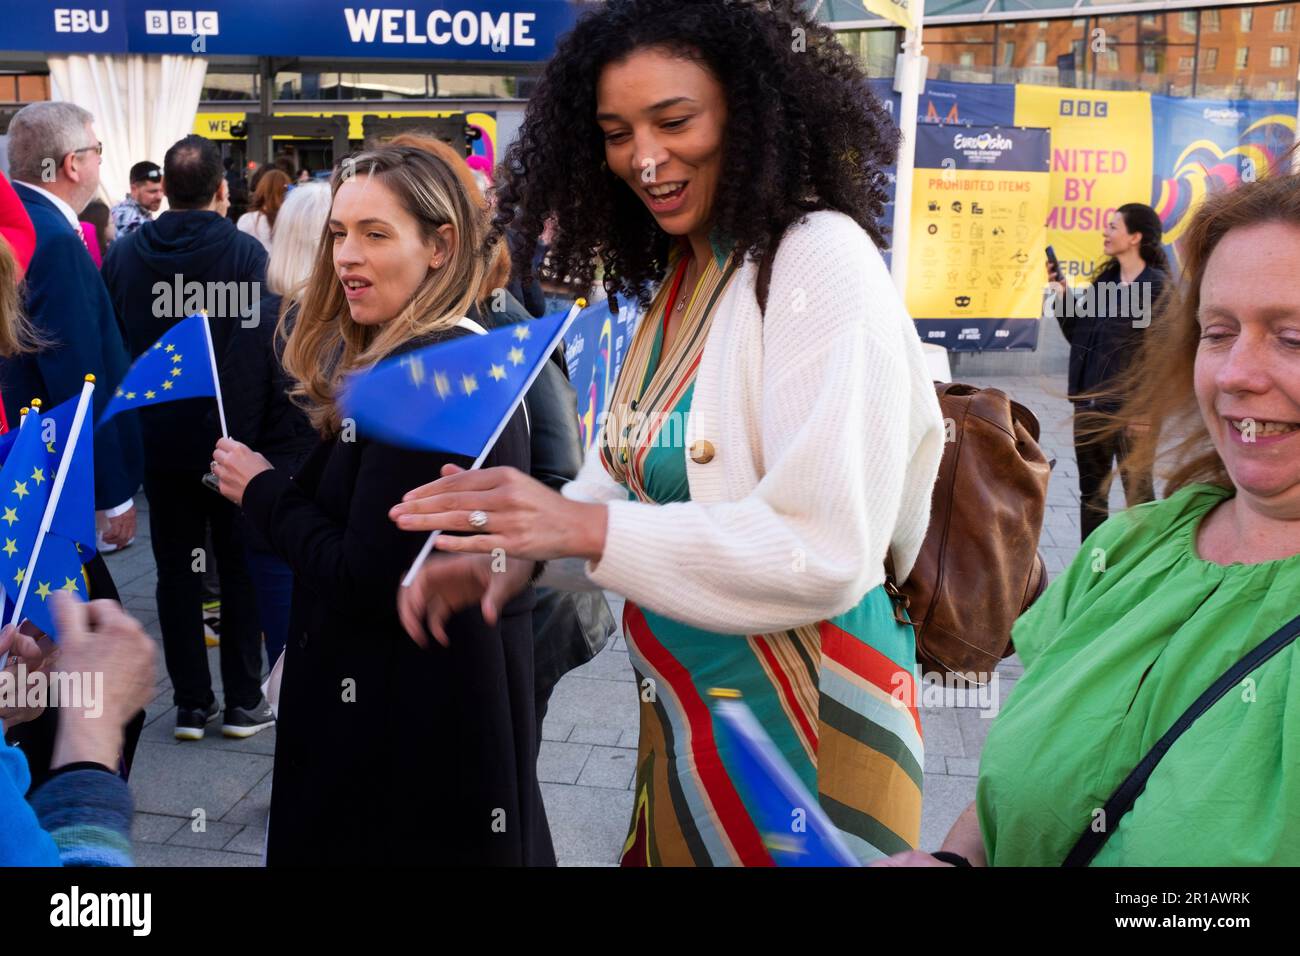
point(190, 721)
point(246, 721)
point(212, 623)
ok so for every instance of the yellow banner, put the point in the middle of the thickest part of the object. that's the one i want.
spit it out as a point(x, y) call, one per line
point(900, 11)
point(1101, 159)
point(217, 125)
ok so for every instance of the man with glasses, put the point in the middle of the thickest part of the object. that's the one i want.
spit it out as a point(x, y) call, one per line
point(144, 199)
point(54, 161)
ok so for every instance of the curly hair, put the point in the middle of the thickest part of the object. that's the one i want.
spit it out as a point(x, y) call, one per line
point(803, 133)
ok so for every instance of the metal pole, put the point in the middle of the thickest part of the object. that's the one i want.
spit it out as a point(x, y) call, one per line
point(907, 108)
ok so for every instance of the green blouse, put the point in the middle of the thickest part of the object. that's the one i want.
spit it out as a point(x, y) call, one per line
point(1114, 652)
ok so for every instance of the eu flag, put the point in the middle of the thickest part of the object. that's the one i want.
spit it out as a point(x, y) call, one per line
point(795, 829)
point(176, 366)
point(25, 484)
point(453, 396)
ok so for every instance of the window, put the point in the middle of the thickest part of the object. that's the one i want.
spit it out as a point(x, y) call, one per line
point(1282, 19)
point(1185, 64)
point(1243, 53)
point(1187, 19)
point(1009, 53)
point(1040, 52)
point(966, 60)
point(1149, 19)
point(1112, 59)
point(1279, 56)
point(1210, 21)
point(1247, 18)
point(1150, 64)
point(1210, 58)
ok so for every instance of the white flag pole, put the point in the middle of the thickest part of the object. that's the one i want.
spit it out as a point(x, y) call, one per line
point(425, 551)
point(60, 477)
point(22, 420)
point(216, 380)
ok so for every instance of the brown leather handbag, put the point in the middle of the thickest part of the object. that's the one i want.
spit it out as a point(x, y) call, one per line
point(979, 565)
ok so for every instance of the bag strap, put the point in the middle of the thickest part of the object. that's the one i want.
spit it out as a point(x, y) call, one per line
point(1126, 794)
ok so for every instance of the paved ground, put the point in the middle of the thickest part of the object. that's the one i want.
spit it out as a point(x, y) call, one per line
point(205, 803)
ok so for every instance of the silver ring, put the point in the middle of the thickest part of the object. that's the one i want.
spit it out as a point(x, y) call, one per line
point(478, 519)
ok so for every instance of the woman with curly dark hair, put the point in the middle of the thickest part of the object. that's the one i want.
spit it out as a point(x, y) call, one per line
point(773, 434)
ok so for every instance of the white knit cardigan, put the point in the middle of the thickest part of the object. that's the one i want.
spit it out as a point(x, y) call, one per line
point(826, 435)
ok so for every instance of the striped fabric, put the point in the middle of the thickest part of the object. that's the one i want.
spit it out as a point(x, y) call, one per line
point(837, 697)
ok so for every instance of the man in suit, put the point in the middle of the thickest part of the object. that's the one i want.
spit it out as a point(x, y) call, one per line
point(54, 160)
point(194, 244)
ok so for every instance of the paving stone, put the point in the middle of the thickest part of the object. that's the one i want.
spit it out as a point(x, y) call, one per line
point(561, 762)
point(214, 835)
point(608, 767)
point(174, 779)
point(154, 827)
point(595, 734)
point(963, 766)
point(609, 664)
point(943, 800)
point(253, 809)
point(588, 824)
point(579, 700)
point(153, 854)
point(251, 839)
point(630, 738)
point(553, 729)
point(942, 738)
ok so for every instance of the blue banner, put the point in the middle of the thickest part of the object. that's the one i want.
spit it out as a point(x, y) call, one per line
point(594, 350)
point(523, 31)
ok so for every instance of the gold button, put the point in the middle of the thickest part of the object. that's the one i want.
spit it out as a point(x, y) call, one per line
point(701, 452)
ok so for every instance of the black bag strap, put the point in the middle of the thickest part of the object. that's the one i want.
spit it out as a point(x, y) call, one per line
point(1122, 800)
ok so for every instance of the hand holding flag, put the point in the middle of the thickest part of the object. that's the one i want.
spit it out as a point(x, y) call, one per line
point(455, 396)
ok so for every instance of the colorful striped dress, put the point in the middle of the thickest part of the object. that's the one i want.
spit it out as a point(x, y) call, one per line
point(836, 696)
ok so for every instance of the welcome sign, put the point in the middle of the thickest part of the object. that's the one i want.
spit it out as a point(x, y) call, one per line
point(458, 30)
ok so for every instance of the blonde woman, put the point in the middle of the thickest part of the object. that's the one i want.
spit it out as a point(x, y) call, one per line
point(387, 753)
point(256, 391)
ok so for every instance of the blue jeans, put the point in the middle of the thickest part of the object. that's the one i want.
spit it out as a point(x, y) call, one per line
point(273, 583)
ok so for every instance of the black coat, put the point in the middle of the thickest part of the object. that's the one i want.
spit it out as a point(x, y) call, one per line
point(386, 753)
point(140, 271)
point(259, 412)
point(1102, 344)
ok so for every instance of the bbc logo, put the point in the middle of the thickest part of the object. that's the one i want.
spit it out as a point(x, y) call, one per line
point(188, 23)
point(1086, 108)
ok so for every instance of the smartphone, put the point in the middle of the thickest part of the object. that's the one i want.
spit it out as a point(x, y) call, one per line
point(1054, 263)
point(210, 481)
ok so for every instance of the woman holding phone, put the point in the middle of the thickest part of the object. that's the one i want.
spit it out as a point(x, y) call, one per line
point(1105, 323)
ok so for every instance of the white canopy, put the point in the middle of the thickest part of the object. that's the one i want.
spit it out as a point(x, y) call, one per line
point(142, 105)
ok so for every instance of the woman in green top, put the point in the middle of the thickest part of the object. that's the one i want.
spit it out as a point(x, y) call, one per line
point(1163, 599)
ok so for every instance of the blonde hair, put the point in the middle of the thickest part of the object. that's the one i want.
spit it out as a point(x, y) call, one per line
point(16, 332)
point(298, 231)
point(1158, 388)
point(325, 343)
point(499, 272)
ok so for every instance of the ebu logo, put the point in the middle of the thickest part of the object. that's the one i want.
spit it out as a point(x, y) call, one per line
point(961, 301)
point(1087, 108)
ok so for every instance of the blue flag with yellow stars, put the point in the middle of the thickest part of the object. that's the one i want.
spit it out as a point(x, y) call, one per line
point(175, 367)
point(796, 830)
point(453, 395)
point(25, 485)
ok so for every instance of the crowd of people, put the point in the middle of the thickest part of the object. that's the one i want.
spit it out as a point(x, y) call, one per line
point(752, 549)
